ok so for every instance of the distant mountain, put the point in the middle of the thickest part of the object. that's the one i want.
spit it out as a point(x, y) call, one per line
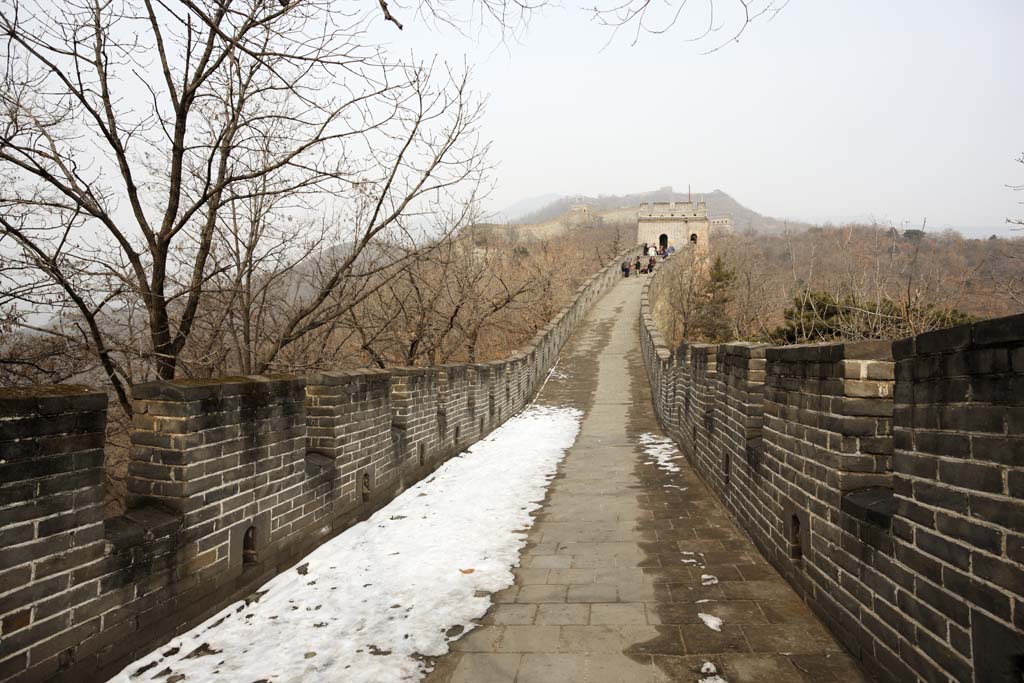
point(718, 202)
point(515, 212)
point(722, 204)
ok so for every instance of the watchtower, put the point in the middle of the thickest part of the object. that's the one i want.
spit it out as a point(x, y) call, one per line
point(674, 224)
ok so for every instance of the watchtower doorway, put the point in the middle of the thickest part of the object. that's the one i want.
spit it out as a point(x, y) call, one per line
point(663, 242)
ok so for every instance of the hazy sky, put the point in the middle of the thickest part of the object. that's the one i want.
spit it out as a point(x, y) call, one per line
point(838, 110)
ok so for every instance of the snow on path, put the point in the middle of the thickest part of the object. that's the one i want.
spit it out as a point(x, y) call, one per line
point(711, 621)
point(710, 673)
point(662, 449)
point(368, 604)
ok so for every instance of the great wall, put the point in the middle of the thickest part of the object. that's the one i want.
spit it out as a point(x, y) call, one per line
point(884, 481)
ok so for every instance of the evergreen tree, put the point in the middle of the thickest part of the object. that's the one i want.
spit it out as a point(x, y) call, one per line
point(713, 321)
point(822, 317)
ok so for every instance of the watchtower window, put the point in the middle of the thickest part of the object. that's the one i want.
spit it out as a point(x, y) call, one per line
point(249, 555)
point(366, 487)
point(663, 242)
point(693, 238)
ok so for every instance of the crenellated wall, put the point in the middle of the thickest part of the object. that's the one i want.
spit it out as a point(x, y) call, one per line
point(231, 481)
point(885, 481)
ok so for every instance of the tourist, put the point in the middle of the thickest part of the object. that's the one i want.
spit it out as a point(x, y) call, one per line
point(650, 264)
point(625, 268)
point(636, 266)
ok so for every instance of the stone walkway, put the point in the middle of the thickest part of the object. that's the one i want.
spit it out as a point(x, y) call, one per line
point(604, 592)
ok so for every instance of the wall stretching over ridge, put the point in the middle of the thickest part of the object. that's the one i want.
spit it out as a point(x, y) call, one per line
point(231, 481)
point(885, 481)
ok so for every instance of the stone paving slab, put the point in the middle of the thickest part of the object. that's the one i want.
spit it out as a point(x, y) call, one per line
point(610, 585)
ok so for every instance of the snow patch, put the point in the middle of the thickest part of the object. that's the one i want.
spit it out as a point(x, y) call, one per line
point(708, 580)
point(711, 621)
point(368, 604)
point(710, 673)
point(662, 449)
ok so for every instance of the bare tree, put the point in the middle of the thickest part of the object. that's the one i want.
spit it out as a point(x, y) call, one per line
point(1017, 221)
point(460, 301)
point(137, 137)
point(690, 303)
point(850, 282)
point(721, 25)
point(757, 298)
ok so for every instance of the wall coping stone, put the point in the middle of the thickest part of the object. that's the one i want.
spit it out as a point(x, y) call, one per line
point(874, 504)
point(142, 524)
point(408, 370)
point(17, 393)
point(196, 389)
point(334, 377)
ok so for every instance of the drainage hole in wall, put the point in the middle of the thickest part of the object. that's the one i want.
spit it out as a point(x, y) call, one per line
point(795, 550)
point(249, 546)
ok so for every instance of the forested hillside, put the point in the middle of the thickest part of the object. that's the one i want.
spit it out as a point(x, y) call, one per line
point(852, 282)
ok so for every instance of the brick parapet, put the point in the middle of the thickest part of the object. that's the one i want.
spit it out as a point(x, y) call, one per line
point(230, 481)
point(886, 490)
point(51, 520)
point(959, 488)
